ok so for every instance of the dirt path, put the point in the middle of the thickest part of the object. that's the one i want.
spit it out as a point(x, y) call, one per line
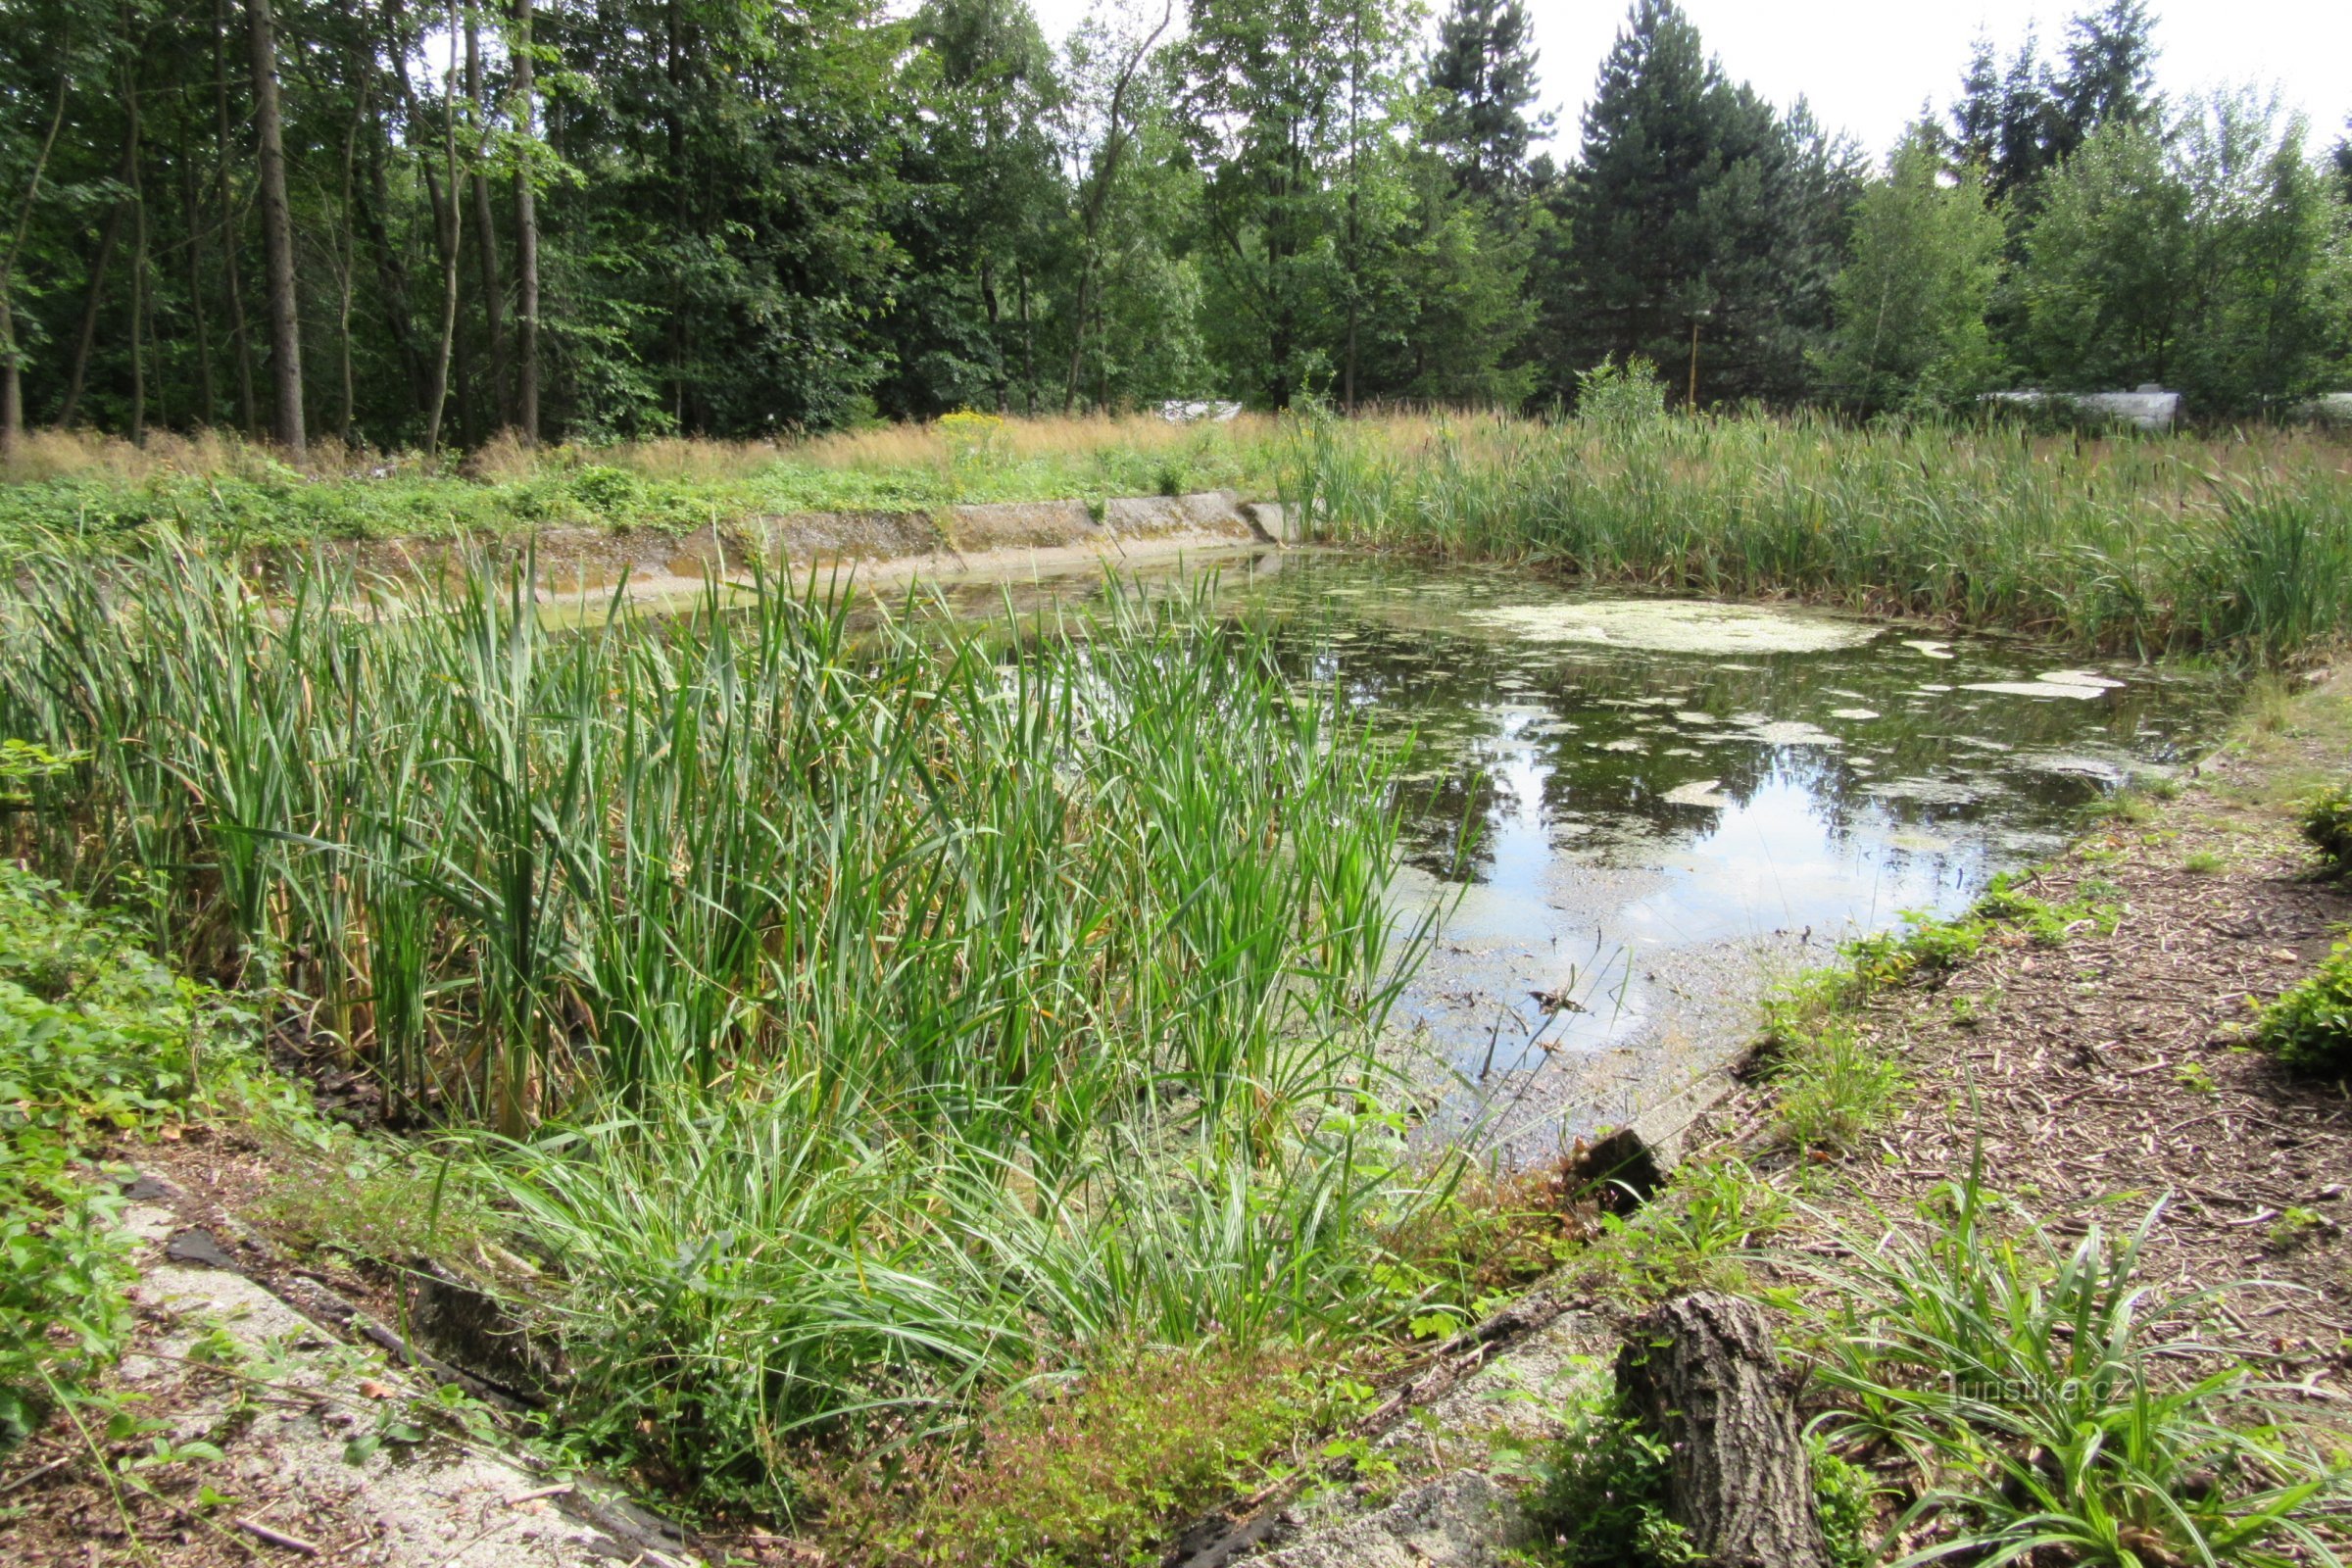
point(2101, 1073)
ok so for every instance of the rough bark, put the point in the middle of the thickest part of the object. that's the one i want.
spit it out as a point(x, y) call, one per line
point(486, 229)
point(453, 236)
point(78, 373)
point(1097, 196)
point(1701, 1372)
point(527, 240)
point(138, 307)
point(239, 338)
point(278, 231)
point(12, 382)
point(192, 209)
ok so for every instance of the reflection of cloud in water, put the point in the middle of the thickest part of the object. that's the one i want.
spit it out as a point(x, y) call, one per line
point(1771, 863)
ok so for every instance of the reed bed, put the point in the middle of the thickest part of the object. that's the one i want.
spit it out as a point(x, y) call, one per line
point(849, 1025)
point(2239, 546)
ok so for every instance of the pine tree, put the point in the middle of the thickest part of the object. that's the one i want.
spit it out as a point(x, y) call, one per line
point(2026, 144)
point(1483, 78)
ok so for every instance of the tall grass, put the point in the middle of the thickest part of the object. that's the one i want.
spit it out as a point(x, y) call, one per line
point(864, 1022)
point(2058, 1404)
point(2243, 545)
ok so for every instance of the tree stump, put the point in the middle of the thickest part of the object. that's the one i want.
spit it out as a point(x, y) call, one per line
point(1699, 1371)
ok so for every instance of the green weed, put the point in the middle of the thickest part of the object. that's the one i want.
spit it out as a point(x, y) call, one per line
point(1600, 1499)
point(94, 1038)
point(2326, 823)
point(2309, 1027)
point(2055, 1403)
point(1831, 1088)
point(1695, 1234)
point(1094, 1470)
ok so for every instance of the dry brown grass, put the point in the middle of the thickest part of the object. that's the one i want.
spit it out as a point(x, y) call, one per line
point(202, 454)
point(899, 445)
point(217, 454)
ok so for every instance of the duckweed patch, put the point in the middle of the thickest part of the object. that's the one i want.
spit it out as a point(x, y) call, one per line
point(1680, 627)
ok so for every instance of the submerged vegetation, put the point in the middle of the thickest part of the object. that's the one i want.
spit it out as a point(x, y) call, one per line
point(2240, 547)
point(867, 1024)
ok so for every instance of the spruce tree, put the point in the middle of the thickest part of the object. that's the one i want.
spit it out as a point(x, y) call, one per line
point(2026, 142)
point(1976, 117)
point(2110, 56)
point(1481, 78)
point(1694, 203)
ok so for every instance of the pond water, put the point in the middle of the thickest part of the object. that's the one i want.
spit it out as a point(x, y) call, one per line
point(1671, 803)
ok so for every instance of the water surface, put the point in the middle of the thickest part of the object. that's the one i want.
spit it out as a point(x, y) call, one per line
point(1652, 810)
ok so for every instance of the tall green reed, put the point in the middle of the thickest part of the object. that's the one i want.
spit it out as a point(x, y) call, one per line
point(2240, 547)
point(861, 1016)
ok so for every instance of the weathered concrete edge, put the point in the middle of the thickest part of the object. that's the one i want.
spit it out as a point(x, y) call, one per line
point(981, 539)
point(1663, 1129)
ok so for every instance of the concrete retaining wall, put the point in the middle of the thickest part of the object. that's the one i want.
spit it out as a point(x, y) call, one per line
point(990, 538)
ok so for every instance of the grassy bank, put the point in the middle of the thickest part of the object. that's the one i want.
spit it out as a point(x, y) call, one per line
point(849, 1032)
point(2133, 544)
point(108, 494)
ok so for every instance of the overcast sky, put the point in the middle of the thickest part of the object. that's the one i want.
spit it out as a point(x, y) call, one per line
point(1867, 65)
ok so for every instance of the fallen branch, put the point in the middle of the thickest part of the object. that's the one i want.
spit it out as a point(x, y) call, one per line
point(278, 1538)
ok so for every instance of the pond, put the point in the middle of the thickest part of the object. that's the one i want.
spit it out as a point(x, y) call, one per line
point(1669, 805)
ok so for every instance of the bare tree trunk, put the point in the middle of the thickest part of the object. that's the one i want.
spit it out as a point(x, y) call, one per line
point(1699, 1372)
point(680, 214)
point(207, 392)
point(1106, 172)
point(1028, 347)
point(108, 238)
point(138, 308)
point(239, 338)
point(11, 383)
point(277, 231)
point(347, 259)
point(453, 236)
point(526, 238)
point(390, 263)
point(373, 201)
point(493, 293)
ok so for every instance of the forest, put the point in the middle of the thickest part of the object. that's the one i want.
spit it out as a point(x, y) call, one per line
point(405, 225)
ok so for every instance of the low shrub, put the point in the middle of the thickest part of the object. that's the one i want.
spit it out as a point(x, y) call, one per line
point(1602, 1503)
point(93, 1034)
point(2308, 1028)
point(2327, 824)
point(1834, 1085)
point(1696, 1234)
